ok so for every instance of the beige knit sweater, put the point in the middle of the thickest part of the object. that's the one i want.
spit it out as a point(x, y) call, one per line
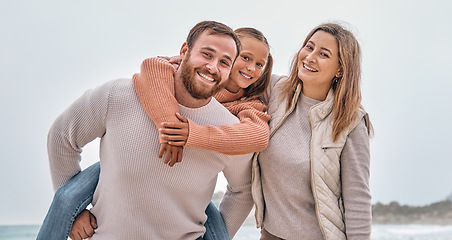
point(139, 197)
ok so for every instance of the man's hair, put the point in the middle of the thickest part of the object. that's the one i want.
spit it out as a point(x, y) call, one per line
point(213, 28)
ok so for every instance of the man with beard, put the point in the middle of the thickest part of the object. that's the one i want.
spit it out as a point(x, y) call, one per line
point(138, 196)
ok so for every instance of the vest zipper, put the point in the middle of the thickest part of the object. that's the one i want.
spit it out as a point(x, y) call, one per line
point(314, 193)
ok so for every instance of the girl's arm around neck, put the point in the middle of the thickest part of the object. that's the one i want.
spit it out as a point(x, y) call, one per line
point(250, 135)
point(154, 86)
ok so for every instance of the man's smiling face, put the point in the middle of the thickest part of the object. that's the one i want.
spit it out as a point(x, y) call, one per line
point(206, 66)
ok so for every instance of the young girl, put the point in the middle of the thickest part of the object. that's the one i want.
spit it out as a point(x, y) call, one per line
point(249, 78)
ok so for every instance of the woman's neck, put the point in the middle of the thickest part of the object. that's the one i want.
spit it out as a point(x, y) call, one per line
point(315, 93)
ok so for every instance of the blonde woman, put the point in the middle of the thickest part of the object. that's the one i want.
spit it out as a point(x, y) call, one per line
point(312, 181)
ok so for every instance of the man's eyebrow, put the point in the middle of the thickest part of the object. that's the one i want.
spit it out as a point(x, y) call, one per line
point(326, 49)
point(229, 58)
point(209, 48)
point(213, 50)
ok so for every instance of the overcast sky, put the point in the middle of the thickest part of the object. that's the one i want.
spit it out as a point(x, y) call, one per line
point(52, 51)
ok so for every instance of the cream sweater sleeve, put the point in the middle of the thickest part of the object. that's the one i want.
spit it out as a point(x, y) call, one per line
point(355, 174)
point(237, 201)
point(78, 125)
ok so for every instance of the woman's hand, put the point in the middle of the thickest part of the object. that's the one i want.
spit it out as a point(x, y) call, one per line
point(83, 226)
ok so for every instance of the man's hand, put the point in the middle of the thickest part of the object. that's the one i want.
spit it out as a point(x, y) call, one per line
point(83, 226)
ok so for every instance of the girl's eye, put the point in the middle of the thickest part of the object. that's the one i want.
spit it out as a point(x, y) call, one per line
point(260, 65)
point(245, 58)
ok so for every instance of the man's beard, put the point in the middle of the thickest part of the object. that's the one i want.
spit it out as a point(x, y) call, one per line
point(188, 78)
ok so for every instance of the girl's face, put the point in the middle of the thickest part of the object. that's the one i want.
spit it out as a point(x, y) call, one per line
point(318, 64)
point(249, 64)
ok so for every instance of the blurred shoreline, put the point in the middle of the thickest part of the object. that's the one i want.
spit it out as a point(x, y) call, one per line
point(248, 232)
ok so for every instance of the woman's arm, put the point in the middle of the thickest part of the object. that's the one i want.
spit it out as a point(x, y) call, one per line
point(355, 172)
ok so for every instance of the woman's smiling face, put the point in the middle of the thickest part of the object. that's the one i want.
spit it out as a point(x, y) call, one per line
point(318, 62)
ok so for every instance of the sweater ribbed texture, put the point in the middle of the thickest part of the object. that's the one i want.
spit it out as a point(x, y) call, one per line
point(139, 197)
point(156, 81)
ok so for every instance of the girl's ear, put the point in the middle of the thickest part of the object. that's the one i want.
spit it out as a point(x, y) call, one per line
point(183, 50)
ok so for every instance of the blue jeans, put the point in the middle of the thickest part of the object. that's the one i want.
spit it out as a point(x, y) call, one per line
point(72, 198)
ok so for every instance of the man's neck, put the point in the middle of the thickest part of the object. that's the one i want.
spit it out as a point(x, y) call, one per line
point(183, 97)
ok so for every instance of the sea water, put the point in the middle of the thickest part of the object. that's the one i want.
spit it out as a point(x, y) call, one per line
point(247, 232)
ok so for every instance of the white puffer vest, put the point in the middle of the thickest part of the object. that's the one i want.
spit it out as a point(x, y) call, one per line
point(325, 161)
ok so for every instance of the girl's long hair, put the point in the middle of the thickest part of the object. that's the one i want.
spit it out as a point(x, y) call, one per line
point(347, 91)
point(256, 89)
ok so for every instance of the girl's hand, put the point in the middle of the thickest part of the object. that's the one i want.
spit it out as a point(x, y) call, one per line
point(174, 60)
point(175, 133)
point(173, 154)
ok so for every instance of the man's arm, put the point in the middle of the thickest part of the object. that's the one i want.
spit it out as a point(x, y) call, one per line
point(78, 125)
point(237, 201)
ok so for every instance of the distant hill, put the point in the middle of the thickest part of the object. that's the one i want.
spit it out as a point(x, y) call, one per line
point(449, 197)
point(394, 213)
point(439, 213)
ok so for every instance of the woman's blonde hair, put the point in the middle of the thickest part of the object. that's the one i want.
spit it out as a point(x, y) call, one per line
point(347, 92)
point(256, 89)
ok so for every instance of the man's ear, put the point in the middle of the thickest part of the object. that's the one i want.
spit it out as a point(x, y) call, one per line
point(183, 50)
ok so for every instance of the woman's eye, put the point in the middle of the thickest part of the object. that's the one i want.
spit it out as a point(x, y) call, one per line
point(206, 54)
point(324, 55)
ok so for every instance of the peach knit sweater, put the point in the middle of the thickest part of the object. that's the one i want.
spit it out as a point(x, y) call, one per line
point(154, 86)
